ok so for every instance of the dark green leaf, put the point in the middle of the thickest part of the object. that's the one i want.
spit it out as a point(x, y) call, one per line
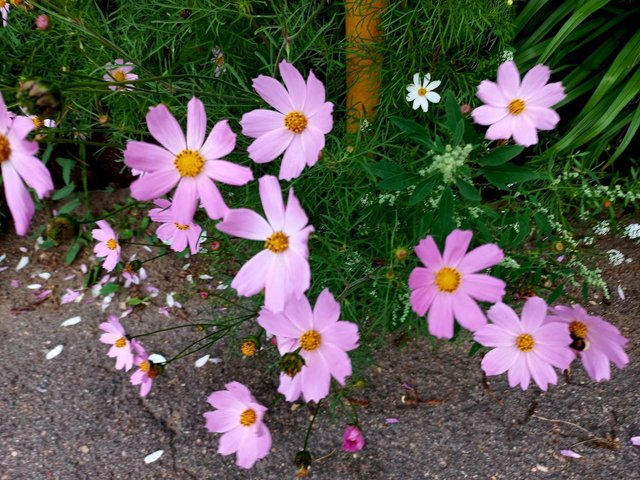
point(64, 192)
point(421, 191)
point(504, 175)
point(72, 253)
point(500, 155)
point(399, 181)
point(454, 115)
point(468, 191)
point(416, 131)
point(70, 206)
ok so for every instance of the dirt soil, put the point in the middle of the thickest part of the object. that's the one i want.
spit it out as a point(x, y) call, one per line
point(75, 417)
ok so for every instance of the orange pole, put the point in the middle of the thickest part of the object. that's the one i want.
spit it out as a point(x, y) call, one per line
point(364, 59)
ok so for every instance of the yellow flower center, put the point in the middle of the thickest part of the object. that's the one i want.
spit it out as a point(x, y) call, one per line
point(181, 226)
point(295, 121)
point(145, 365)
point(525, 342)
point(121, 342)
point(119, 76)
point(189, 163)
point(38, 123)
point(112, 244)
point(422, 91)
point(248, 418)
point(310, 340)
point(516, 107)
point(277, 243)
point(448, 279)
point(248, 348)
point(578, 329)
point(5, 148)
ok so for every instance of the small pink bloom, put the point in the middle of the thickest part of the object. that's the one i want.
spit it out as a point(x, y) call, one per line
point(282, 268)
point(146, 370)
point(215, 245)
point(119, 72)
point(171, 231)
point(239, 417)
point(204, 295)
point(322, 340)
point(298, 126)
point(352, 440)
point(19, 165)
point(189, 162)
point(449, 286)
point(595, 341)
point(527, 348)
point(635, 441)
point(515, 109)
point(107, 245)
point(42, 22)
point(121, 347)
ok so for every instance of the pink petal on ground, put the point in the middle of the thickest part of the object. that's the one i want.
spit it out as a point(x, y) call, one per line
point(635, 441)
point(441, 317)
point(312, 141)
point(392, 420)
point(428, 253)
point(494, 336)
point(487, 114)
point(315, 94)
point(147, 157)
point(247, 454)
point(484, 288)
point(534, 80)
point(504, 316)
point(533, 314)
point(34, 173)
point(220, 142)
point(326, 311)
point(295, 218)
point(258, 122)
point(322, 119)
point(509, 80)
point(294, 160)
point(221, 421)
point(467, 312)
point(570, 454)
point(500, 130)
point(315, 381)
point(196, 124)
point(543, 118)
point(270, 145)
point(499, 360)
point(542, 373)
point(547, 96)
point(166, 129)
point(490, 94)
point(273, 93)
point(211, 198)
point(519, 373)
point(524, 131)
point(225, 400)
point(252, 276)
point(185, 200)
point(480, 258)
point(155, 184)
point(296, 86)
point(271, 197)
point(245, 223)
point(18, 198)
point(456, 245)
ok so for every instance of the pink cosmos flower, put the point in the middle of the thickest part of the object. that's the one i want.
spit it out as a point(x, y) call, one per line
point(19, 166)
point(191, 163)
point(449, 286)
point(239, 417)
point(282, 268)
point(177, 234)
point(146, 372)
point(298, 126)
point(119, 72)
point(352, 440)
point(121, 347)
point(595, 341)
point(132, 277)
point(322, 340)
point(107, 245)
point(4, 9)
point(527, 348)
point(515, 109)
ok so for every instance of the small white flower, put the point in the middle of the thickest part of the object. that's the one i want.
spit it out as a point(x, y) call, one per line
point(152, 457)
point(632, 231)
point(421, 93)
point(616, 257)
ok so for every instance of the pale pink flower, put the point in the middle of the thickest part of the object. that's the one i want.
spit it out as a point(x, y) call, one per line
point(4, 9)
point(42, 22)
point(119, 72)
point(515, 109)
point(527, 348)
point(107, 245)
point(353, 439)
point(121, 347)
point(191, 163)
point(449, 286)
point(172, 232)
point(282, 268)
point(239, 417)
point(146, 372)
point(595, 341)
point(19, 166)
point(133, 278)
point(298, 126)
point(323, 342)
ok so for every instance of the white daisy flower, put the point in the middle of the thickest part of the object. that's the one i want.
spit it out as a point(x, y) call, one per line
point(421, 93)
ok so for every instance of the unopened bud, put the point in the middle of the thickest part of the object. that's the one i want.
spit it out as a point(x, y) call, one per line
point(250, 346)
point(559, 246)
point(401, 253)
point(302, 461)
point(291, 364)
point(102, 119)
point(465, 109)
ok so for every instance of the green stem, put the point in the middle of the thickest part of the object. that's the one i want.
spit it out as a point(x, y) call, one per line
point(168, 329)
point(110, 214)
point(168, 252)
point(313, 419)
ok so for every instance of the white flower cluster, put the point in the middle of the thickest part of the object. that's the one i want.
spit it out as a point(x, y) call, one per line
point(593, 278)
point(632, 231)
point(402, 309)
point(564, 234)
point(602, 228)
point(508, 262)
point(596, 192)
point(616, 257)
point(448, 163)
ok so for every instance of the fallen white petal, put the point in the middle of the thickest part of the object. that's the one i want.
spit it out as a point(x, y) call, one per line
point(186, 266)
point(157, 358)
point(621, 292)
point(34, 286)
point(24, 261)
point(70, 277)
point(215, 360)
point(170, 301)
point(201, 362)
point(83, 268)
point(205, 277)
point(54, 352)
point(2, 269)
point(23, 249)
point(570, 453)
point(152, 457)
point(2, 257)
point(45, 275)
point(71, 321)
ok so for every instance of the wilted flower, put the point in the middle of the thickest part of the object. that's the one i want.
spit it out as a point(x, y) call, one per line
point(298, 126)
point(177, 234)
point(107, 245)
point(527, 348)
point(239, 417)
point(119, 72)
point(353, 439)
point(422, 92)
point(121, 347)
point(515, 109)
point(449, 286)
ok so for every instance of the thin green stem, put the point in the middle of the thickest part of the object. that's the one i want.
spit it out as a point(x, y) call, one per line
point(169, 329)
point(110, 214)
point(313, 419)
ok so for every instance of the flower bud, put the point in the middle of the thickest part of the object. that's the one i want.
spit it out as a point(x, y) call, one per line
point(42, 22)
point(302, 461)
point(38, 98)
point(291, 364)
point(62, 227)
point(465, 109)
point(352, 440)
point(250, 346)
point(401, 253)
point(559, 246)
